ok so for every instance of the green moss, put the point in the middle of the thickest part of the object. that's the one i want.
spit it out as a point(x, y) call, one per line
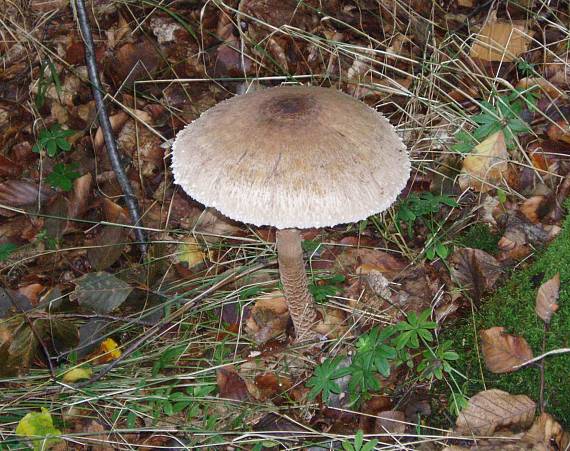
point(512, 307)
point(479, 236)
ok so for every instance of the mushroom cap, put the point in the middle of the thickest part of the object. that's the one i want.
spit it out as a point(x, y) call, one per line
point(292, 157)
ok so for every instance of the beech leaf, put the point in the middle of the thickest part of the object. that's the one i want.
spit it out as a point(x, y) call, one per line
point(100, 291)
point(502, 352)
point(492, 409)
point(547, 298)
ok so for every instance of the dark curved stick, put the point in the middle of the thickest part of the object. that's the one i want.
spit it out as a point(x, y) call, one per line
point(112, 150)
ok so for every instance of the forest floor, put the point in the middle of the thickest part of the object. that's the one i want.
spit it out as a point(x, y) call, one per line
point(437, 311)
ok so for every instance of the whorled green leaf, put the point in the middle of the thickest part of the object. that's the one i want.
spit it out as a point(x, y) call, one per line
point(100, 291)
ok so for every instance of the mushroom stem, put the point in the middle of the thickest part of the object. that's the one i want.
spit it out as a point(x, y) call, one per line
point(295, 286)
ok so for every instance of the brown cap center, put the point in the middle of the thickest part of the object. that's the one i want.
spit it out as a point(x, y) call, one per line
point(288, 107)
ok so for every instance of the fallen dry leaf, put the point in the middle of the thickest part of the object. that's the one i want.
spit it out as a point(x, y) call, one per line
point(501, 41)
point(476, 270)
point(268, 317)
point(492, 409)
point(503, 352)
point(368, 260)
point(18, 193)
point(231, 385)
point(536, 207)
point(189, 253)
point(486, 165)
point(391, 422)
point(80, 196)
point(108, 245)
point(559, 131)
point(546, 431)
point(547, 298)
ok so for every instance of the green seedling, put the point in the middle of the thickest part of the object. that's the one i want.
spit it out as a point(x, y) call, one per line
point(63, 176)
point(415, 328)
point(435, 363)
point(377, 351)
point(44, 82)
point(505, 115)
point(421, 207)
point(322, 287)
point(358, 444)
point(53, 141)
point(324, 377)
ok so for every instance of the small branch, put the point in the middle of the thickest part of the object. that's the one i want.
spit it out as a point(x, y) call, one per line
point(540, 357)
point(105, 124)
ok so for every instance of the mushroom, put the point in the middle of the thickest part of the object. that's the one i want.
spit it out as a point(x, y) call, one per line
point(292, 157)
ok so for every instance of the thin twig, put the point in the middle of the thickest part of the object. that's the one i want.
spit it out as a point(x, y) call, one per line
point(542, 356)
point(110, 142)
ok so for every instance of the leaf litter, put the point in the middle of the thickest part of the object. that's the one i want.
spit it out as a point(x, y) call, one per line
point(490, 152)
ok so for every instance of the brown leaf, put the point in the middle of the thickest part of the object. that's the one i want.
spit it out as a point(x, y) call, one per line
point(368, 260)
point(80, 196)
point(559, 131)
point(18, 193)
point(536, 207)
point(476, 270)
point(8, 168)
point(133, 61)
point(271, 384)
point(231, 385)
point(391, 422)
point(501, 41)
point(503, 352)
point(546, 431)
point(109, 243)
point(547, 297)
point(492, 409)
point(117, 122)
point(268, 317)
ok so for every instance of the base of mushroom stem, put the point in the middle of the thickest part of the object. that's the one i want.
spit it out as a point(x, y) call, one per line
point(331, 324)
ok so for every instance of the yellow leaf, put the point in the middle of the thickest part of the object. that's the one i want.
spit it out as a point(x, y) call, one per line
point(39, 426)
point(189, 252)
point(77, 374)
point(108, 350)
point(486, 165)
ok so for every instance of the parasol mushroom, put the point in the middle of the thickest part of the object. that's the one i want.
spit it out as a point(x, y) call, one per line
point(292, 157)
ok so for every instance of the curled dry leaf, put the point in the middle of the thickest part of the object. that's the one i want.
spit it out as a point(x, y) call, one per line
point(484, 168)
point(493, 409)
point(268, 318)
point(547, 298)
point(231, 385)
point(80, 196)
point(547, 432)
point(503, 352)
point(476, 270)
point(117, 122)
